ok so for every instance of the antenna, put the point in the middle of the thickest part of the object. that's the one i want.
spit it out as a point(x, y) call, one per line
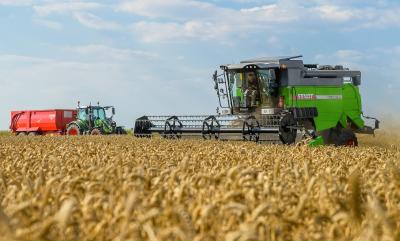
point(294, 57)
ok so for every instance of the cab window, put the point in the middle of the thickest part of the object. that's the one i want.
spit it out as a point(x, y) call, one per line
point(99, 114)
point(82, 114)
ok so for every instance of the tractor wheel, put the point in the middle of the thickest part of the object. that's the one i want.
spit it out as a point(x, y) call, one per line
point(120, 131)
point(21, 134)
point(95, 132)
point(286, 132)
point(32, 134)
point(340, 137)
point(73, 130)
point(348, 138)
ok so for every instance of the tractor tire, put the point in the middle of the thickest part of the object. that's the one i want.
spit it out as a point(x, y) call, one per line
point(95, 132)
point(348, 138)
point(120, 131)
point(340, 137)
point(73, 130)
point(287, 135)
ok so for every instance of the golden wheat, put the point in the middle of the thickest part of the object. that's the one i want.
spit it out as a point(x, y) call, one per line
point(122, 188)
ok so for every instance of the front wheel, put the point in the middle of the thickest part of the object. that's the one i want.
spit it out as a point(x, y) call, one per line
point(348, 138)
point(73, 130)
point(340, 137)
point(287, 129)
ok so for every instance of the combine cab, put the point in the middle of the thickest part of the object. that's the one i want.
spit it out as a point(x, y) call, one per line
point(93, 120)
point(275, 99)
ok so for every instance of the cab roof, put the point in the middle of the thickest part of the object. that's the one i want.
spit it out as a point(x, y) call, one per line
point(260, 63)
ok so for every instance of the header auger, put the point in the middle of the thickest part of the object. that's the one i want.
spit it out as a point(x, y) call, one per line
point(275, 99)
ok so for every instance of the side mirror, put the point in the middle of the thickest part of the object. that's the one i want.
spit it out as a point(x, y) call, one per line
point(87, 111)
point(377, 124)
point(215, 78)
point(113, 110)
point(357, 80)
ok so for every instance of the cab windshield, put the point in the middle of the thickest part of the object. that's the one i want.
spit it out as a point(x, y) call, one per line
point(99, 113)
point(251, 88)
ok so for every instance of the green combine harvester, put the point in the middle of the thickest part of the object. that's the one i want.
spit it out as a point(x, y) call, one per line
point(275, 99)
point(93, 120)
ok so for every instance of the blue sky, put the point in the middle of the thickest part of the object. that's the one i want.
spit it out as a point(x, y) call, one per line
point(157, 57)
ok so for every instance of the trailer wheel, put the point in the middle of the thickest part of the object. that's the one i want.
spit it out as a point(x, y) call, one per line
point(21, 134)
point(32, 134)
point(73, 130)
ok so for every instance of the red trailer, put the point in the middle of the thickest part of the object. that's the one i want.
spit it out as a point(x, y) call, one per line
point(41, 122)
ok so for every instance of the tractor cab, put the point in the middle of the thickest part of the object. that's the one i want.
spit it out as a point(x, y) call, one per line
point(251, 89)
point(95, 112)
point(248, 87)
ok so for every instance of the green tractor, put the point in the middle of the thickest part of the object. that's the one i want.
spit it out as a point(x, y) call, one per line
point(93, 120)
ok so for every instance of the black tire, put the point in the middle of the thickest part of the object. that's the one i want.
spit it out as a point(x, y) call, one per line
point(32, 134)
point(73, 130)
point(120, 131)
point(348, 138)
point(340, 137)
point(287, 135)
point(21, 134)
point(95, 132)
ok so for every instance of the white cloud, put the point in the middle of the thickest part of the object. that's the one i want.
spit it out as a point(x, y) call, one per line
point(64, 7)
point(335, 13)
point(350, 54)
point(174, 9)
point(16, 2)
point(48, 23)
point(166, 32)
point(178, 20)
point(12, 58)
point(107, 53)
point(92, 21)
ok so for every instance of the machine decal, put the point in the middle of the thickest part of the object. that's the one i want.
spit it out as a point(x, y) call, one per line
point(268, 111)
point(304, 97)
point(317, 97)
point(329, 97)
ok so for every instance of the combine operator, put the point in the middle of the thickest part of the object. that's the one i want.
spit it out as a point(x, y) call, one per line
point(250, 89)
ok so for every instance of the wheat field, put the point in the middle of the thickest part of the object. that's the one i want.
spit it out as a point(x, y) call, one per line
point(123, 188)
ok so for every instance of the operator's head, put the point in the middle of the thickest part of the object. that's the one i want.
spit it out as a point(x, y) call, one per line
point(251, 77)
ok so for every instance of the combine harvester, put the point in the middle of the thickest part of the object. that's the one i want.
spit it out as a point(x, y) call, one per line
point(275, 99)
